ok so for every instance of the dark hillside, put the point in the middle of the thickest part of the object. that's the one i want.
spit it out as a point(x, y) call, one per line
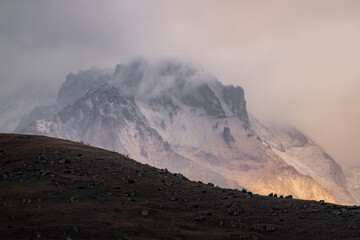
point(56, 189)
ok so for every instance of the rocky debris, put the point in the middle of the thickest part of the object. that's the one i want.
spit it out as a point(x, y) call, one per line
point(131, 181)
point(249, 194)
point(336, 212)
point(353, 227)
point(44, 172)
point(195, 206)
point(313, 205)
point(129, 194)
point(270, 229)
point(162, 171)
point(24, 174)
point(61, 161)
point(145, 212)
point(199, 218)
point(221, 223)
point(3, 154)
point(265, 228)
point(10, 160)
point(26, 201)
point(301, 216)
point(168, 184)
point(77, 171)
point(281, 196)
point(235, 209)
point(180, 177)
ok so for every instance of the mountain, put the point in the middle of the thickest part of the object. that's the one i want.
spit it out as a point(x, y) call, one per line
point(352, 182)
point(307, 158)
point(176, 116)
point(57, 189)
point(18, 106)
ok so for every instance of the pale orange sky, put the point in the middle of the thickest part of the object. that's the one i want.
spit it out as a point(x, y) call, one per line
point(297, 60)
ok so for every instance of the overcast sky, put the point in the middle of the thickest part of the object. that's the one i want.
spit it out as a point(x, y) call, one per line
point(298, 61)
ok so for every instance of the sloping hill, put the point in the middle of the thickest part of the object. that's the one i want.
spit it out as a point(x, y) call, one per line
point(57, 189)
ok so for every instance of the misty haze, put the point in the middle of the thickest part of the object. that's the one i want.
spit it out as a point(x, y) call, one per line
point(226, 115)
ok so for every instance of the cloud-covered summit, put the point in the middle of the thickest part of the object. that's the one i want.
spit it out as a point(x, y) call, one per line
point(288, 56)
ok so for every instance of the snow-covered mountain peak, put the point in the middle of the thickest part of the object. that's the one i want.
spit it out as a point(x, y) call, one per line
point(76, 85)
point(174, 115)
point(145, 80)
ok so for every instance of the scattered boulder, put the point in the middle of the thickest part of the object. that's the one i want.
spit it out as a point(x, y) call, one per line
point(249, 195)
point(235, 209)
point(26, 201)
point(270, 228)
point(199, 218)
point(131, 181)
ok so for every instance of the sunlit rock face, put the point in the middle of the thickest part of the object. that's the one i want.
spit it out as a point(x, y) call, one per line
point(173, 115)
point(352, 182)
point(307, 158)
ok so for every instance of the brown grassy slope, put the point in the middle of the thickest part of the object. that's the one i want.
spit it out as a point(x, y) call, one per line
point(57, 189)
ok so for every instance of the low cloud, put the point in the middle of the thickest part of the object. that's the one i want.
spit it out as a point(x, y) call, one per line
point(297, 60)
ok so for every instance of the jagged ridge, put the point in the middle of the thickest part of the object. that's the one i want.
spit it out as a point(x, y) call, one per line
point(171, 115)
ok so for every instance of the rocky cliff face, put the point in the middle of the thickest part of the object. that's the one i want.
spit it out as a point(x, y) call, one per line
point(176, 116)
point(77, 85)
